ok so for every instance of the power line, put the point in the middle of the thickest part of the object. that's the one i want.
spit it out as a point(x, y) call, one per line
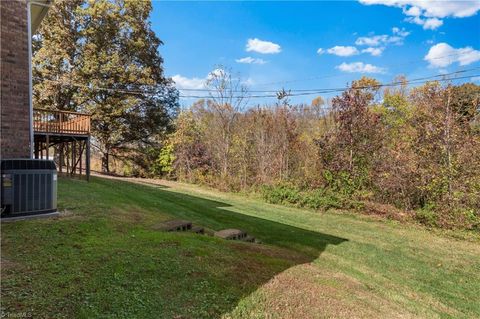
point(333, 90)
point(301, 92)
point(315, 90)
point(341, 75)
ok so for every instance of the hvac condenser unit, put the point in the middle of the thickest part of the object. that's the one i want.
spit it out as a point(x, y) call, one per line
point(28, 186)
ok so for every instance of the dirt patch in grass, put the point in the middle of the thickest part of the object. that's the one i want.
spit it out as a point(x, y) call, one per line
point(129, 216)
point(68, 214)
point(9, 270)
point(258, 264)
point(7, 265)
point(305, 291)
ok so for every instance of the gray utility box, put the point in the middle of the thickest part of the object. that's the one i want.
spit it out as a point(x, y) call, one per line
point(28, 186)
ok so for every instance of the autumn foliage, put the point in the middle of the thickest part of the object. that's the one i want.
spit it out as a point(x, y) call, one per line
point(395, 150)
point(414, 151)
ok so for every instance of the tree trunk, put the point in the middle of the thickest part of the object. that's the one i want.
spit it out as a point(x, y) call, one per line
point(105, 163)
point(448, 146)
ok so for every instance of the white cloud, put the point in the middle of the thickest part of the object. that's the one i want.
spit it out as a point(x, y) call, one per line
point(216, 72)
point(400, 32)
point(359, 67)
point(475, 79)
point(442, 55)
point(248, 82)
point(250, 60)
point(412, 11)
point(188, 83)
point(396, 38)
point(264, 47)
point(182, 82)
point(350, 51)
point(432, 23)
point(428, 13)
point(374, 51)
point(343, 50)
point(372, 41)
point(376, 44)
point(427, 24)
point(438, 9)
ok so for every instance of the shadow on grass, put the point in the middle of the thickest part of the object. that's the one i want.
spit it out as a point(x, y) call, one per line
point(190, 286)
point(216, 215)
point(299, 245)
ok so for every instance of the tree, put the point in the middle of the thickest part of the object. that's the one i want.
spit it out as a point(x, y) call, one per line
point(397, 184)
point(466, 102)
point(56, 57)
point(446, 147)
point(111, 68)
point(228, 96)
point(349, 151)
point(191, 154)
point(317, 102)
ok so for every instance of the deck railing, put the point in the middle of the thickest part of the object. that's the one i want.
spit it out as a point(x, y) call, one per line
point(60, 122)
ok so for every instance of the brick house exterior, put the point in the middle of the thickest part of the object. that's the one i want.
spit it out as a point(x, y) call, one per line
point(14, 80)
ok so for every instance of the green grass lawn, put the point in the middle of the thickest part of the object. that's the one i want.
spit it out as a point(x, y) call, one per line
point(103, 259)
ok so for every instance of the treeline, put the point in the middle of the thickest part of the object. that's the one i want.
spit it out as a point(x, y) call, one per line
point(416, 149)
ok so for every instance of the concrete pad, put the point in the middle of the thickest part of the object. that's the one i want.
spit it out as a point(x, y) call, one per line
point(25, 217)
point(231, 234)
point(175, 225)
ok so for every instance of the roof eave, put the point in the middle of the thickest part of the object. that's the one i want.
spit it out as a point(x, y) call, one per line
point(38, 11)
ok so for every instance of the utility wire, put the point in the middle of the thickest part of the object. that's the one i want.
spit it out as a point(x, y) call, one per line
point(334, 90)
point(288, 93)
point(319, 91)
point(342, 75)
point(315, 90)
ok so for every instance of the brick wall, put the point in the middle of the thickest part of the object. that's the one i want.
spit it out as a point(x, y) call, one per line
point(14, 85)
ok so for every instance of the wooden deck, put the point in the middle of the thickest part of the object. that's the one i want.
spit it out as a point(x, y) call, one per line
point(63, 136)
point(60, 122)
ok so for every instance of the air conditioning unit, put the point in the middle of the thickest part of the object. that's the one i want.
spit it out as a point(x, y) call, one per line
point(28, 186)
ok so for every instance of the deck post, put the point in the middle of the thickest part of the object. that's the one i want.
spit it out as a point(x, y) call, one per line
point(47, 146)
point(74, 157)
point(60, 158)
point(81, 158)
point(67, 155)
point(87, 164)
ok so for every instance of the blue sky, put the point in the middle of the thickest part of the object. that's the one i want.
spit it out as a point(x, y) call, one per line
point(310, 45)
